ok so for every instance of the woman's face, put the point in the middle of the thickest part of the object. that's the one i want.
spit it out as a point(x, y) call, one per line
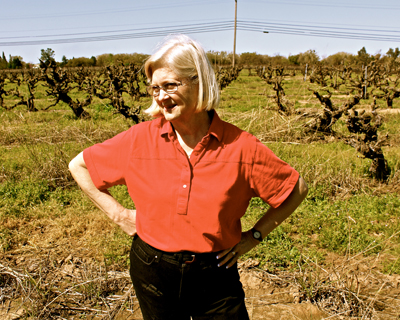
point(180, 105)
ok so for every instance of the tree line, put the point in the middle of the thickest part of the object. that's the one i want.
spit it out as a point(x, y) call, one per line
point(217, 58)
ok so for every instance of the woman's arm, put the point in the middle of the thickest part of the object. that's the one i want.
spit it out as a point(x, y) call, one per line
point(268, 222)
point(123, 217)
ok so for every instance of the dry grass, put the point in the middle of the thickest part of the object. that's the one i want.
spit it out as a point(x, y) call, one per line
point(62, 259)
point(55, 287)
point(350, 288)
point(323, 161)
point(61, 289)
point(57, 273)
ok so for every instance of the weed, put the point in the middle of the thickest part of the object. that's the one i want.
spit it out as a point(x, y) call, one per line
point(346, 214)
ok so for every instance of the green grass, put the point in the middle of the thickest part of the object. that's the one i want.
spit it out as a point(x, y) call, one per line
point(360, 224)
point(346, 212)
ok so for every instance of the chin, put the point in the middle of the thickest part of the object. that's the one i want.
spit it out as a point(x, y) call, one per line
point(171, 115)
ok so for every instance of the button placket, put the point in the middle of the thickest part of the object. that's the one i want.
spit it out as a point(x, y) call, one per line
point(186, 174)
point(184, 189)
point(199, 151)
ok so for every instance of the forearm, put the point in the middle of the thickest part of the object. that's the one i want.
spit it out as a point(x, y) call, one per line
point(102, 199)
point(270, 220)
point(275, 216)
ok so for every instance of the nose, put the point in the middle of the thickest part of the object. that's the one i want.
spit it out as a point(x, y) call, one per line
point(163, 95)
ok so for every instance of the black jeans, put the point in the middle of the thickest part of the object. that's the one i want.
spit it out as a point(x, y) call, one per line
point(179, 286)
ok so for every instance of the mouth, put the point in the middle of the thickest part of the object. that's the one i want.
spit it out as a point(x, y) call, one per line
point(169, 107)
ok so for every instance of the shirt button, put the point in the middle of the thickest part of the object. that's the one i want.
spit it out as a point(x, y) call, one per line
point(185, 186)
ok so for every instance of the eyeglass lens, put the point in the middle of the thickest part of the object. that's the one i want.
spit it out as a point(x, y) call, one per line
point(168, 88)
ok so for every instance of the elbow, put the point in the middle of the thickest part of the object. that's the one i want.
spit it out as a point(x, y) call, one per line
point(76, 163)
point(72, 165)
point(303, 188)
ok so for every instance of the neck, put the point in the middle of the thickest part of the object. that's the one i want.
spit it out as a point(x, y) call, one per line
point(191, 133)
point(197, 126)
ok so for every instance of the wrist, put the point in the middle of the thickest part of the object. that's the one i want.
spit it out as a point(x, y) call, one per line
point(257, 235)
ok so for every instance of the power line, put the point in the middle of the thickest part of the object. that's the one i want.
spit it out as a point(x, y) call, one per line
point(109, 11)
point(244, 25)
point(200, 28)
point(318, 31)
point(214, 24)
point(268, 24)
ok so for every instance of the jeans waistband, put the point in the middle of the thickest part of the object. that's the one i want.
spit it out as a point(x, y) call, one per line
point(186, 257)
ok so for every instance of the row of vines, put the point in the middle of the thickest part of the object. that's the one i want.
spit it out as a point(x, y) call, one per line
point(375, 81)
point(118, 85)
point(123, 87)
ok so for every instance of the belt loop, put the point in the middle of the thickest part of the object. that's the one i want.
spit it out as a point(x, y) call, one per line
point(191, 261)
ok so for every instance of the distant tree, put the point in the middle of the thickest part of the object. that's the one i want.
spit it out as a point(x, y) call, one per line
point(80, 62)
point(63, 62)
point(15, 62)
point(105, 59)
point(294, 59)
point(251, 58)
point(308, 57)
point(394, 54)
point(277, 60)
point(364, 57)
point(220, 58)
point(3, 62)
point(94, 60)
point(109, 59)
point(47, 56)
point(337, 59)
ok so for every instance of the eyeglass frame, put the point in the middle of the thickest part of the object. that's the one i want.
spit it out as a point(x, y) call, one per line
point(151, 88)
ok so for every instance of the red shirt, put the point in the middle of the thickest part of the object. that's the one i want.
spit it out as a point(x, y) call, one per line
point(194, 203)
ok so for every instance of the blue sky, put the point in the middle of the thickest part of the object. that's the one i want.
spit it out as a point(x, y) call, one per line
point(67, 26)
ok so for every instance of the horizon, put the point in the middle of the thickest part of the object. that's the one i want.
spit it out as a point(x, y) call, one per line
point(92, 28)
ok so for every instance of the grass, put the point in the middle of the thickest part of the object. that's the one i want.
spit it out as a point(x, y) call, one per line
point(346, 214)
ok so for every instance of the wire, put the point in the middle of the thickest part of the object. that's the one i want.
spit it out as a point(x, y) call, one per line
point(336, 32)
point(157, 33)
point(252, 26)
point(267, 24)
point(222, 24)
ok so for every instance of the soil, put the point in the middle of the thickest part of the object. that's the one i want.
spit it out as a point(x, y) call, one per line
point(67, 282)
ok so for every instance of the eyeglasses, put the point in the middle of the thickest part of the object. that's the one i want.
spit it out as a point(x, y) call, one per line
point(168, 88)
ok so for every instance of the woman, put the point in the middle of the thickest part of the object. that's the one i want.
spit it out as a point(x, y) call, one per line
point(191, 177)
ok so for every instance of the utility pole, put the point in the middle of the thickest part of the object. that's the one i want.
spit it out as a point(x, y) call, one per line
point(234, 37)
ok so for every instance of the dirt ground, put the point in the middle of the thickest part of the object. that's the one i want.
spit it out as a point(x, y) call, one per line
point(48, 283)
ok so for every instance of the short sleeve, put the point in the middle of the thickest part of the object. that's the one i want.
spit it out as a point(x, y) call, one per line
point(107, 161)
point(272, 179)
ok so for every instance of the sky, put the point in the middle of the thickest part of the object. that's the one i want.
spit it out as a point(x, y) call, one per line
point(86, 28)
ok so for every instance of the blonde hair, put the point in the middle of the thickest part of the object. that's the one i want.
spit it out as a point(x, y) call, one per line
point(187, 59)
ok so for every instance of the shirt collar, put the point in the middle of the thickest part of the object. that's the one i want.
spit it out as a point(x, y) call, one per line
point(216, 127)
point(166, 127)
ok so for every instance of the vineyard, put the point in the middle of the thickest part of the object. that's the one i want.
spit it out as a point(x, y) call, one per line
point(336, 257)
